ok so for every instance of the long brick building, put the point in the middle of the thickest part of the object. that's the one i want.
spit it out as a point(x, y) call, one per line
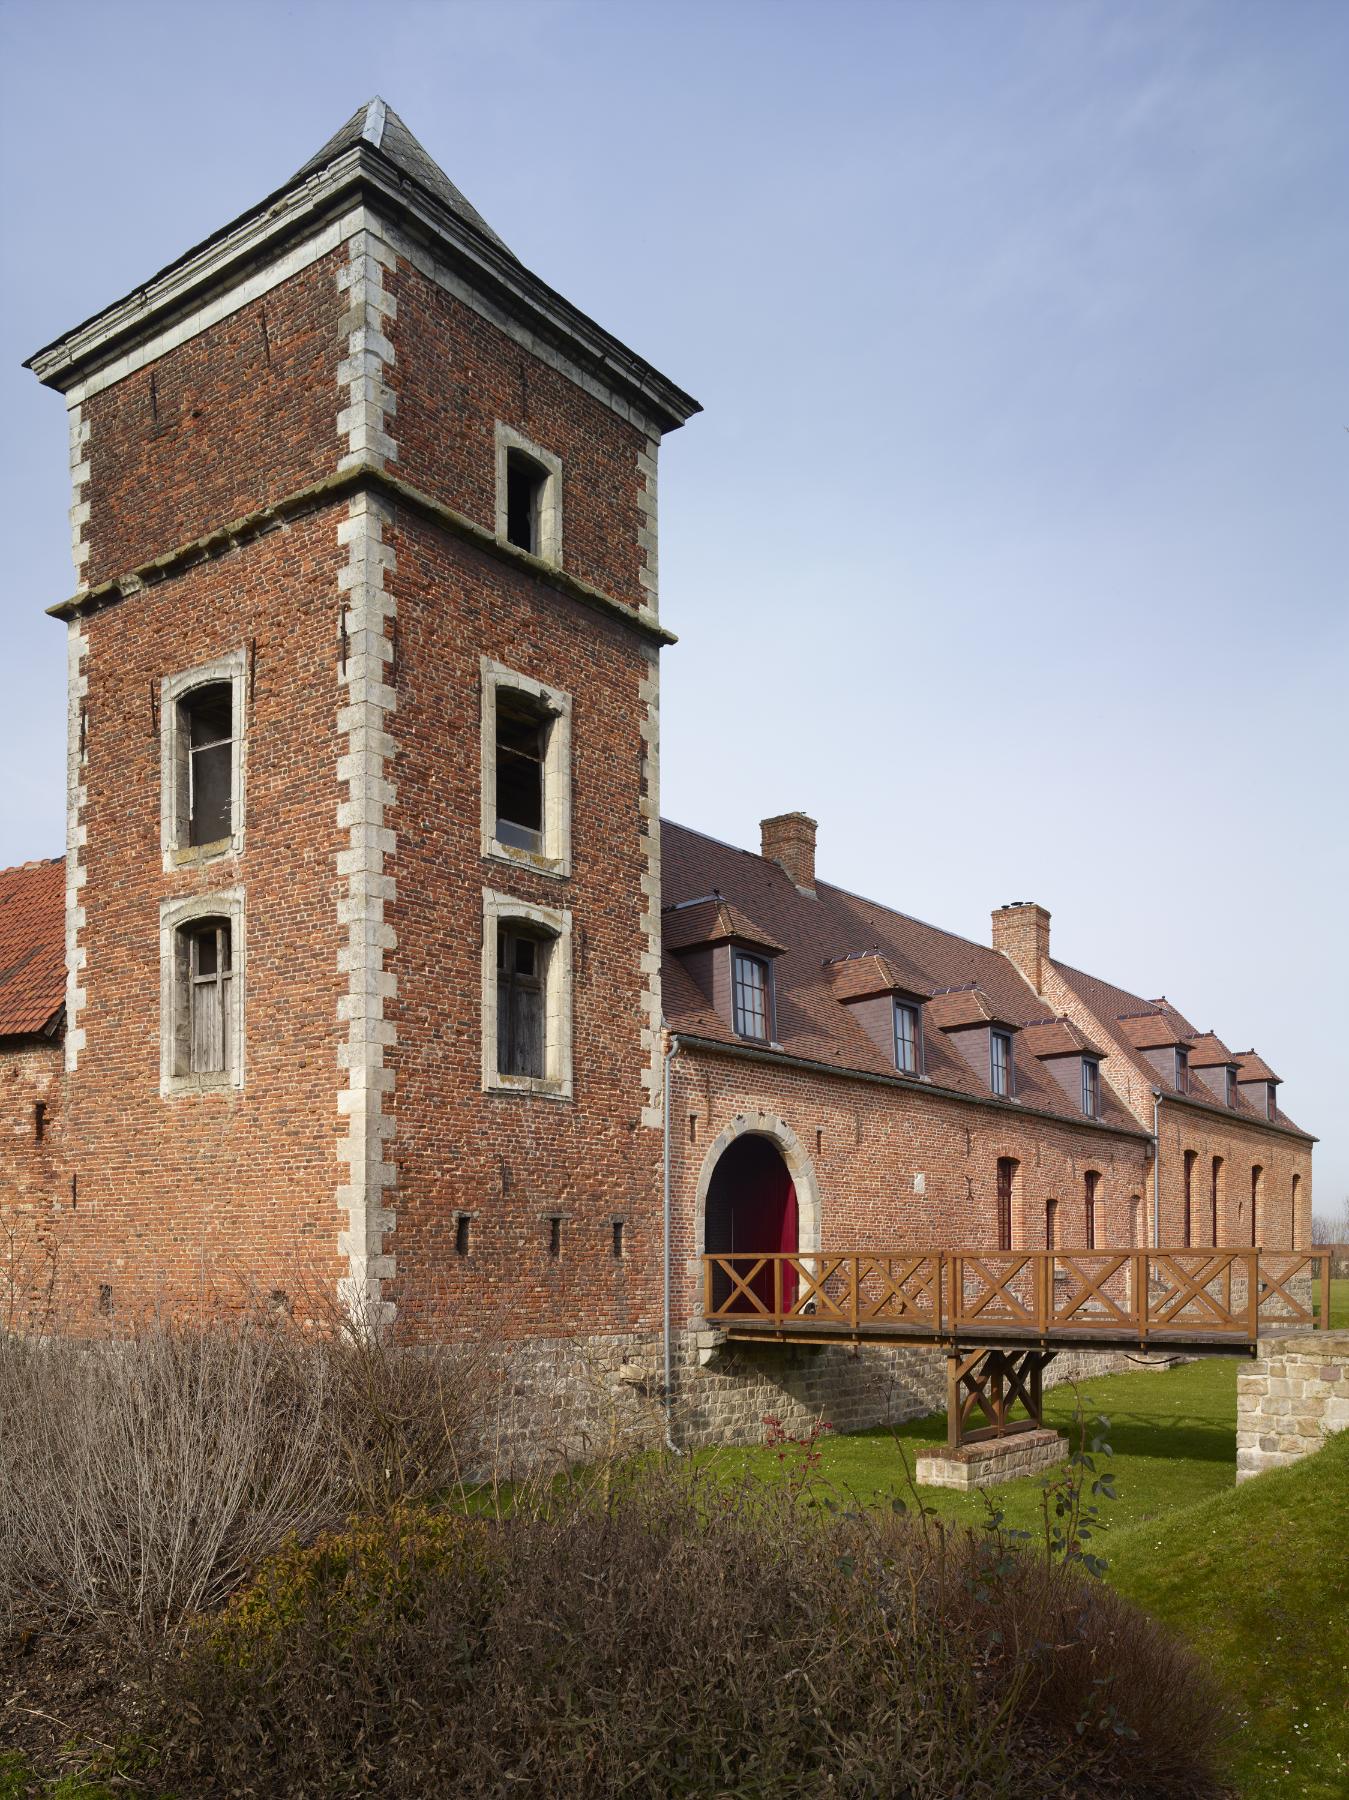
point(372, 972)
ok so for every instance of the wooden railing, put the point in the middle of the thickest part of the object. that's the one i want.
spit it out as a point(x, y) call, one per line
point(1223, 1294)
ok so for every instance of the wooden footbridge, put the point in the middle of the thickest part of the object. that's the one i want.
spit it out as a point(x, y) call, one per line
point(1002, 1315)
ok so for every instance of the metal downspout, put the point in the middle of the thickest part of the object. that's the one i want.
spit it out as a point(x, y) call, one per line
point(1156, 1171)
point(665, 1312)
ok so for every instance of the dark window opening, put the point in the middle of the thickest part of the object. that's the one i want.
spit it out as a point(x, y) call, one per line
point(1271, 1102)
point(521, 961)
point(693, 1128)
point(1000, 1062)
point(39, 1120)
point(206, 972)
point(1182, 1072)
point(461, 1224)
point(521, 749)
point(1091, 1088)
point(750, 996)
point(1213, 1195)
point(1006, 1170)
point(1051, 1223)
point(525, 482)
point(105, 1298)
point(618, 1239)
point(906, 1038)
point(206, 717)
point(555, 1236)
point(1230, 1086)
point(1256, 1173)
point(1191, 1157)
point(1090, 1182)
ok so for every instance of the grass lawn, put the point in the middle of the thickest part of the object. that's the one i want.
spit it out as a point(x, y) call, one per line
point(1173, 1434)
point(1257, 1578)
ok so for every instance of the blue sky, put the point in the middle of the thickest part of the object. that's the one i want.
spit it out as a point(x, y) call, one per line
point(1012, 542)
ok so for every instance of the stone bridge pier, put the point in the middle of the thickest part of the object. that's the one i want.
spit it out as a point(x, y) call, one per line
point(1290, 1399)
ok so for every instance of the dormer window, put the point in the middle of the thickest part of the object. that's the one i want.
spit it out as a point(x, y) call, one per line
point(1271, 1101)
point(1182, 1071)
point(1000, 1062)
point(906, 1038)
point(751, 996)
point(1230, 1086)
point(1091, 1088)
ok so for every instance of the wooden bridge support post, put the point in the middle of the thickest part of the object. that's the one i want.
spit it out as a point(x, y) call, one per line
point(992, 1381)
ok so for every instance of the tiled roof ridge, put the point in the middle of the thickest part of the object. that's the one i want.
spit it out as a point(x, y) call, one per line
point(35, 862)
point(833, 888)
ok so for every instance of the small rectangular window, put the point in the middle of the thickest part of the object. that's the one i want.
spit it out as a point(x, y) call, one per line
point(1182, 1072)
point(555, 1235)
point(521, 961)
point(1000, 1062)
point(522, 728)
point(39, 1120)
point(1051, 1222)
point(750, 996)
point(618, 1238)
point(1091, 1088)
point(461, 1230)
point(1230, 1086)
point(205, 972)
point(525, 484)
point(906, 1038)
point(206, 721)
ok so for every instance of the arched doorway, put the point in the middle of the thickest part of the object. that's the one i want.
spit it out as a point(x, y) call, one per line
point(751, 1211)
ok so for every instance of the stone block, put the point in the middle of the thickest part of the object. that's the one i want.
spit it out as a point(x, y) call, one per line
point(992, 1461)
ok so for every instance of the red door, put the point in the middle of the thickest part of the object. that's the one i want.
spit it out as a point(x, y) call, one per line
point(752, 1212)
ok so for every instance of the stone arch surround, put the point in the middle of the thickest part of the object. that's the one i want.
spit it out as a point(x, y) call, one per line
point(799, 1167)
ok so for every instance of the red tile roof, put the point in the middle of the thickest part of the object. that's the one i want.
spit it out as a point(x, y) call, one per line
point(32, 947)
point(1208, 1051)
point(1117, 1009)
point(1057, 1037)
point(954, 1008)
point(1151, 1031)
point(1251, 1067)
point(712, 920)
point(861, 976)
point(812, 1022)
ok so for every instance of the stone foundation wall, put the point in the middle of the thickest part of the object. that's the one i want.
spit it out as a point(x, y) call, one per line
point(573, 1399)
point(1290, 1400)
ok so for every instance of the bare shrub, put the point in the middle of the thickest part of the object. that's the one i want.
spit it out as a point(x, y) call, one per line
point(667, 1634)
point(142, 1477)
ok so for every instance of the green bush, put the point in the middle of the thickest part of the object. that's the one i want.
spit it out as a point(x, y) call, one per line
point(669, 1636)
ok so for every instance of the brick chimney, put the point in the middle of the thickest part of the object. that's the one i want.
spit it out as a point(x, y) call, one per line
point(789, 841)
point(1021, 932)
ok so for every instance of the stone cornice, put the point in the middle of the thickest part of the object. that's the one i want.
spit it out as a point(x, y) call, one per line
point(332, 488)
point(258, 237)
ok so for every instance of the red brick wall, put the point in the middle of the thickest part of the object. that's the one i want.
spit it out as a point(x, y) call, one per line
point(465, 375)
point(1242, 1147)
point(866, 1142)
point(33, 1182)
point(511, 1160)
point(237, 416)
point(220, 1187)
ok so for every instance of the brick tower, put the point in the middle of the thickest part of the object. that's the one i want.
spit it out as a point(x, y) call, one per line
point(362, 884)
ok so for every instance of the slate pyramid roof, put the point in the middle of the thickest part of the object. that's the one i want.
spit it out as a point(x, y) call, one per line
point(378, 126)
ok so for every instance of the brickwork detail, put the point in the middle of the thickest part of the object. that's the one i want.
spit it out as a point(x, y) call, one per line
point(77, 798)
point(1290, 1400)
point(366, 1195)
